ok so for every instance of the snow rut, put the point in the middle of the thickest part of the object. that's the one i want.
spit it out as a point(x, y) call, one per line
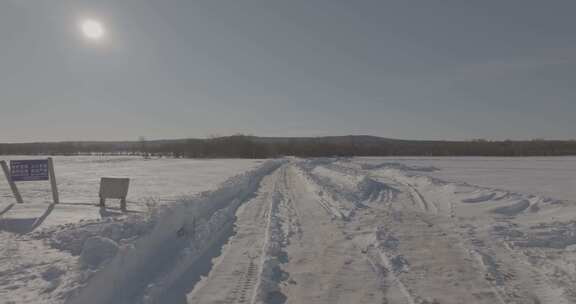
point(245, 284)
point(420, 201)
point(325, 262)
point(249, 270)
point(271, 274)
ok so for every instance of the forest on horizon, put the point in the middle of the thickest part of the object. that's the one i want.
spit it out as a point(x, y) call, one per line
point(243, 146)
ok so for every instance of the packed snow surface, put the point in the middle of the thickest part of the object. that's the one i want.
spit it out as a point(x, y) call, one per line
point(361, 230)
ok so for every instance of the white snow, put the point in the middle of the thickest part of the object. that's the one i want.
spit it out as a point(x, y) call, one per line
point(163, 179)
point(549, 176)
point(36, 234)
point(361, 230)
point(97, 250)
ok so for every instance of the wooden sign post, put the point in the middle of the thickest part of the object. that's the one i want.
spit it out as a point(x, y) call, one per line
point(31, 170)
point(53, 185)
point(11, 182)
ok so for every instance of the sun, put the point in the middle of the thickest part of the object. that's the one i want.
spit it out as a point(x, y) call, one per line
point(92, 29)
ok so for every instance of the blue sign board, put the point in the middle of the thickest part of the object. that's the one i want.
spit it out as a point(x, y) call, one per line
point(29, 170)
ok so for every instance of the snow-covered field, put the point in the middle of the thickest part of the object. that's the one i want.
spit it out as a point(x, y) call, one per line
point(363, 230)
point(154, 181)
point(550, 176)
point(79, 176)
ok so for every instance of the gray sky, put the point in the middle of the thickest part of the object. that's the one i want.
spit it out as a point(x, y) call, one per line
point(180, 68)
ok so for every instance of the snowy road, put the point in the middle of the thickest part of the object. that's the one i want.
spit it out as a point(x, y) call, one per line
point(341, 231)
point(289, 248)
point(299, 241)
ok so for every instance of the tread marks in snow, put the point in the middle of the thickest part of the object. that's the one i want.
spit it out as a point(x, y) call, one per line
point(245, 284)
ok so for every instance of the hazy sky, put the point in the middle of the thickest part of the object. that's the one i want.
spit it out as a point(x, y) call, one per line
point(424, 69)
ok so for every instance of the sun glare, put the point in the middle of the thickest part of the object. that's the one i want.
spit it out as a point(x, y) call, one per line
point(92, 29)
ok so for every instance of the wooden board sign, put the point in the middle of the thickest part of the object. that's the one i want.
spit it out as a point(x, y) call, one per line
point(114, 187)
point(29, 170)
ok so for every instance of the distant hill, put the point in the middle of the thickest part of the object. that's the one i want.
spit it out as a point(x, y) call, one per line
point(240, 146)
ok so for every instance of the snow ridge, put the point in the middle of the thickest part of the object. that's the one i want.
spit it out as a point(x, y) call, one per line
point(183, 232)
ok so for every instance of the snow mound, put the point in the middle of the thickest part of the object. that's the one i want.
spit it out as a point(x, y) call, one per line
point(513, 209)
point(97, 250)
point(372, 190)
point(478, 194)
point(517, 203)
point(352, 185)
point(342, 191)
point(72, 237)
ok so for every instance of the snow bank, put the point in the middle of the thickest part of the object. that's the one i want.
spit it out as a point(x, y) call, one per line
point(72, 237)
point(183, 231)
point(512, 209)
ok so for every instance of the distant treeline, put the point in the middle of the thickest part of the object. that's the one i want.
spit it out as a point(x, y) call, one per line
point(241, 146)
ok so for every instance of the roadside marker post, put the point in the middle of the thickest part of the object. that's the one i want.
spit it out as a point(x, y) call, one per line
point(53, 185)
point(15, 191)
point(31, 170)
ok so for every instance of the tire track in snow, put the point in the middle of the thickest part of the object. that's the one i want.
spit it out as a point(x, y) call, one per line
point(236, 276)
point(418, 198)
point(518, 272)
point(271, 248)
point(502, 276)
point(380, 240)
point(259, 239)
point(420, 246)
point(419, 203)
point(327, 265)
point(244, 284)
point(378, 260)
point(330, 208)
point(293, 213)
point(409, 297)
